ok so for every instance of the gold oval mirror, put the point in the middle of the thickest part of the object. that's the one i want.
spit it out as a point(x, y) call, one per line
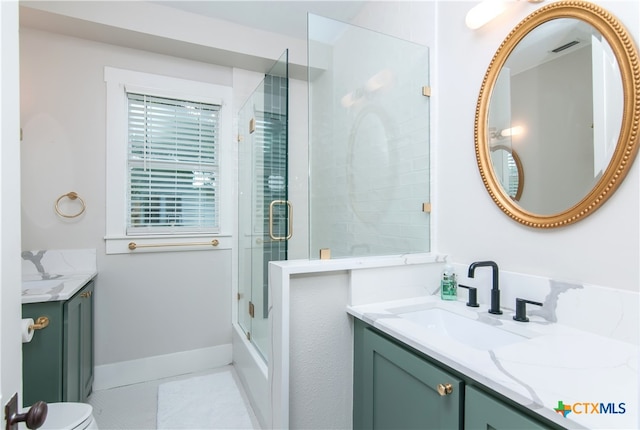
point(563, 92)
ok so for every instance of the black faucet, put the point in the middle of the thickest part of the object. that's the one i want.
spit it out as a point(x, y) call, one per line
point(473, 296)
point(521, 309)
point(495, 291)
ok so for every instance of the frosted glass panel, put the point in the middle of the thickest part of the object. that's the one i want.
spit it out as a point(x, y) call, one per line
point(369, 142)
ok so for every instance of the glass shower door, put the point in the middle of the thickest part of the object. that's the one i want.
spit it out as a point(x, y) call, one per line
point(264, 213)
point(369, 153)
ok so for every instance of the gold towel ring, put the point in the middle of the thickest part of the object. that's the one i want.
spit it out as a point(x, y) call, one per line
point(71, 196)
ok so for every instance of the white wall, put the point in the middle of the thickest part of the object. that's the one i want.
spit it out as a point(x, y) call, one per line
point(10, 345)
point(320, 372)
point(602, 249)
point(147, 304)
point(155, 27)
point(557, 160)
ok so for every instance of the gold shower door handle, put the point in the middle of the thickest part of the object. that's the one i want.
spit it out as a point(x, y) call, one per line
point(289, 216)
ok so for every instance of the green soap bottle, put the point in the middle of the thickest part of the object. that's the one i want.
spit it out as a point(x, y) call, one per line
point(448, 284)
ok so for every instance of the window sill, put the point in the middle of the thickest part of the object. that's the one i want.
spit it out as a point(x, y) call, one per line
point(173, 243)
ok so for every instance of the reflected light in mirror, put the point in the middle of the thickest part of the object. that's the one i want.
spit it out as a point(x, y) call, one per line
point(382, 79)
point(518, 130)
point(348, 100)
point(513, 131)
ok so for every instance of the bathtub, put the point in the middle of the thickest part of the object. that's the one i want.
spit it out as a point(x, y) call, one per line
point(253, 373)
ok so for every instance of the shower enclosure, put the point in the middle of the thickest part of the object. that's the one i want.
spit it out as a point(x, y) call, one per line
point(369, 142)
point(368, 187)
point(264, 212)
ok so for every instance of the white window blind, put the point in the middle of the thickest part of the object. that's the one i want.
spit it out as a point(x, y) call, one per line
point(513, 176)
point(172, 166)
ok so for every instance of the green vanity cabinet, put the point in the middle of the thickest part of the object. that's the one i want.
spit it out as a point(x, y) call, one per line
point(482, 412)
point(57, 365)
point(396, 389)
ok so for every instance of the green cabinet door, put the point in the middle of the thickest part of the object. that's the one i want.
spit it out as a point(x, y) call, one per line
point(484, 412)
point(86, 336)
point(78, 348)
point(72, 348)
point(394, 388)
point(42, 357)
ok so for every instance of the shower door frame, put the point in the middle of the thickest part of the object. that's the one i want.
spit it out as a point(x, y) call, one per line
point(264, 212)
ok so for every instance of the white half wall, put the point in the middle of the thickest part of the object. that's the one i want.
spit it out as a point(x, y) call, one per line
point(311, 353)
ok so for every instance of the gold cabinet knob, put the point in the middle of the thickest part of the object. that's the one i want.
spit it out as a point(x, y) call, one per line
point(445, 389)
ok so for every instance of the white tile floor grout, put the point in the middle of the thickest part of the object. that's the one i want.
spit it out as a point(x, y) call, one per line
point(135, 407)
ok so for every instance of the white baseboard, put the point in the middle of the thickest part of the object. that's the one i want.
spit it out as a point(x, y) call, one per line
point(160, 366)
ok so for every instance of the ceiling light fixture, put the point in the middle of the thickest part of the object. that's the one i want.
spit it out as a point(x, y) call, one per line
point(484, 12)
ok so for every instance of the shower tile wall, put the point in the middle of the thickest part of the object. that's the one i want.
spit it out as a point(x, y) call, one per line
point(369, 152)
point(275, 170)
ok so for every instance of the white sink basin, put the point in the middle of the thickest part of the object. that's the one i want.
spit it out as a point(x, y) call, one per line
point(469, 332)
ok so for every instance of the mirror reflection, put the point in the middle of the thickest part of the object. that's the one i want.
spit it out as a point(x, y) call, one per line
point(557, 103)
point(508, 169)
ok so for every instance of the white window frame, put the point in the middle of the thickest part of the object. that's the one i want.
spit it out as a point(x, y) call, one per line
point(118, 83)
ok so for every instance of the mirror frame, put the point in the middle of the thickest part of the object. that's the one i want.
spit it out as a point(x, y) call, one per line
point(626, 54)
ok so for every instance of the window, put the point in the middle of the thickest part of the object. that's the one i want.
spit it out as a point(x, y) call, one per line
point(172, 165)
point(167, 143)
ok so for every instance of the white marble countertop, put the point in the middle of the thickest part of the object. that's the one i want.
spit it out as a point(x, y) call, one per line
point(551, 364)
point(36, 290)
point(56, 274)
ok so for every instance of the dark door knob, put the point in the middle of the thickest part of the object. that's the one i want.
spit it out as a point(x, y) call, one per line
point(36, 415)
point(33, 418)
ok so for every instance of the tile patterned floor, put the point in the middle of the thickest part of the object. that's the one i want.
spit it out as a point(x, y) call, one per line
point(135, 407)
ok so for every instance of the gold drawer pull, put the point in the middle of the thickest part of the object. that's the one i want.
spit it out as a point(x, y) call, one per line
point(86, 294)
point(40, 323)
point(445, 389)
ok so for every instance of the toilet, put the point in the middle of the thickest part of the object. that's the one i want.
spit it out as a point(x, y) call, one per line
point(68, 416)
